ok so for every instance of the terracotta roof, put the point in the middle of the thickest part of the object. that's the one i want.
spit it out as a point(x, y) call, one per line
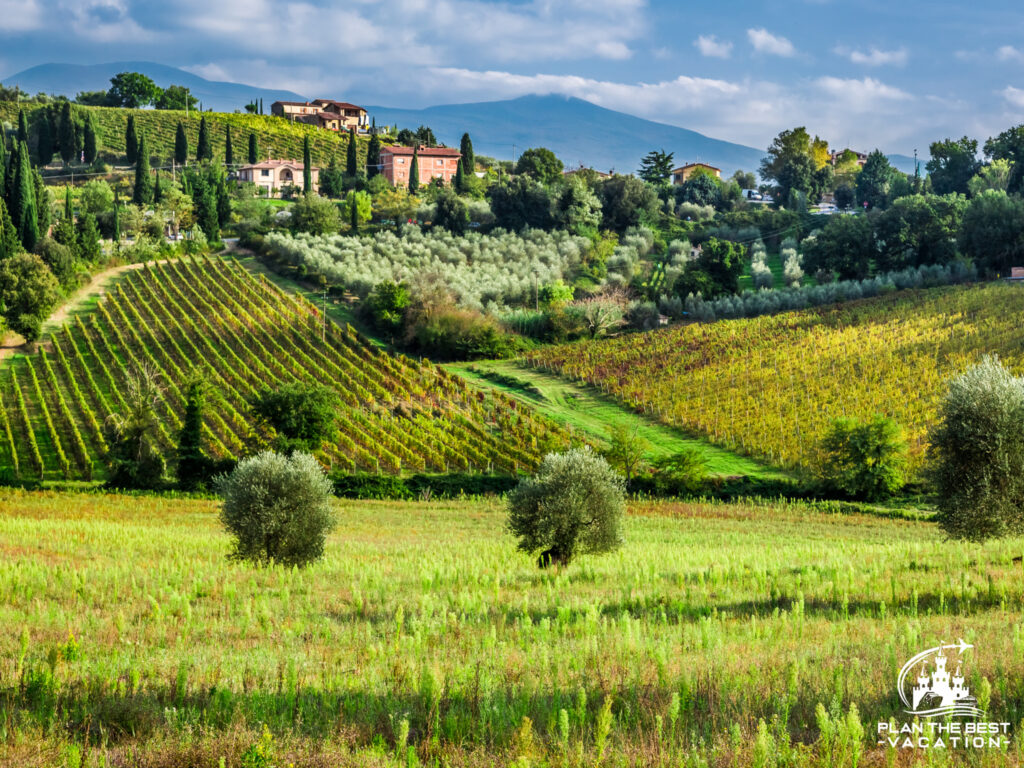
point(423, 151)
point(694, 165)
point(275, 164)
point(341, 104)
point(292, 104)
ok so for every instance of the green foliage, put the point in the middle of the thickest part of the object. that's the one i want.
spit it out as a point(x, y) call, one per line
point(96, 196)
point(992, 232)
point(917, 230)
point(357, 208)
point(1009, 146)
point(132, 90)
point(90, 146)
point(843, 247)
point(180, 145)
point(193, 464)
point(573, 505)
point(555, 293)
point(953, 162)
point(135, 458)
point(716, 271)
point(699, 189)
point(577, 209)
point(540, 164)
point(451, 212)
point(626, 202)
point(977, 454)
point(864, 460)
point(24, 213)
point(176, 97)
point(680, 473)
point(254, 149)
point(89, 239)
point(142, 193)
point(414, 173)
point(303, 415)
point(131, 141)
point(386, 305)
point(656, 167)
point(626, 449)
point(790, 164)
point(29, 292)
point(277, 508)
point(229, 153)
point(519, 203)
point(204, 150)
point(315, 215)
point(468, 158)
point(874, 182)
point(9, 242)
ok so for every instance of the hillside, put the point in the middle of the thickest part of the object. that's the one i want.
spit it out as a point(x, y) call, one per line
point(70, 79)
point(771, 386)
point(277, 137)
point(397, 415)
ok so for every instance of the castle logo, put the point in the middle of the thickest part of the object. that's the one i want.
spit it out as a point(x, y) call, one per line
point(932, 684)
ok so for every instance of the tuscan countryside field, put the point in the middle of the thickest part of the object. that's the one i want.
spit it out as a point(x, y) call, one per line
point(485, 384)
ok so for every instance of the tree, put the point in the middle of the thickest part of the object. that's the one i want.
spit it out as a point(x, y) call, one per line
point(204, 150)
point(22, 126)
point(132, 90)
point(573, 505)
point(540, 164)
point(577, 209)
point(158, 192)
point(845, 197)
point(89, 239)
point(395, 204)
point(992, 232)
point(843, 247)
point(656, 167)
point(143, 190)
point(373, 157)
point(204, 202)
point(131, 141)
point(953, 163)
point(874, 182)
point(414, 173)
point(180, 145)
point(864, 460)
point(459, 182)
point(468, 157)
point(29, 292)
point(722, 261)
point(45, 139)
point(699, 189)
point(277, 508)
point(745, 179)
point(994, 175)
point(917, 230)
point(519, 203)
point(89, 143)
point(406, 137)
point(425, 137)
point(92, 98)
point(44, 203)
point(176, 97)
point(386, 304)
point(358, 208)
point(682, 472)
point(23, 199)
point(451, 213)
point(626, 450)
point(9, 242)
point(1009, 146)
point(135, 458)
point(351, 154)
point(307, 166)
point(59, 257)
point(976, 454)
point(626, 202)
point(66, 134)
point(303, 415)
point(316, 215)
point(254, 149)
point(790, 163)
point(193, 466)
point(96, 196)
point(229, 158)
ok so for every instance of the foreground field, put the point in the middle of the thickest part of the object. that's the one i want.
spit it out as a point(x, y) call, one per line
point(770, 386)
point(425, 638)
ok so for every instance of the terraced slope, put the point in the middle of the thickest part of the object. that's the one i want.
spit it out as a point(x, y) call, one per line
point(398, 414)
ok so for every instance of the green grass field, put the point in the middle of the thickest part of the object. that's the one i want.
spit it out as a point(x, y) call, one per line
point(425, 638)
point(592, 414)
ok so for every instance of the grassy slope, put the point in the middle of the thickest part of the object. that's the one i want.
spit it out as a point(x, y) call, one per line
point(276, 136)
point(422, 605)
point(586, 410)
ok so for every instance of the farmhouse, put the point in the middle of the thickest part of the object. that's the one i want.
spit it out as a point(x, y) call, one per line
point(325, 113)
point(434, 162)
point(272, 176)
point(683, 173)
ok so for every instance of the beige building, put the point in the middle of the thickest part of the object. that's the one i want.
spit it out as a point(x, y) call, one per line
point(273, 176)
point(683, 173)
point(325, 113)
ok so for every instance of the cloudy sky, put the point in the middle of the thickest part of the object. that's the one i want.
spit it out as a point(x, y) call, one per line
point(895, 74)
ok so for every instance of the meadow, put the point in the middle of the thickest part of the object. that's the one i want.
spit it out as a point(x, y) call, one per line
point(770, 386)
point(243, 334)
point(424, 638)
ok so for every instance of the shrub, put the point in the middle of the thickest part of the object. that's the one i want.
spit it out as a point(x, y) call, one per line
point(681, 473)
point(976, 454)
point(574, 505)
point(278, 508)
point(302, 414)
point(866, 461)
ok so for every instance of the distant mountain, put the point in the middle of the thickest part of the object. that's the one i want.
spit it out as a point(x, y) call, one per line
point(69, 79)
point(577, 131)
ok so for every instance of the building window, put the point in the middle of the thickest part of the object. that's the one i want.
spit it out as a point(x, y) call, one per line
point(400, 160)
point(264, 172)
point(439, 163)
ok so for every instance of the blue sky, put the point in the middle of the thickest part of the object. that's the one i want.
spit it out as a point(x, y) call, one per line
point(894, 74)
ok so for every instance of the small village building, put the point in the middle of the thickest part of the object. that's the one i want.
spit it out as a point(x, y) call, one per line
point(324, 113)
point(434, 162)
point(682, 174)
point(274, 176)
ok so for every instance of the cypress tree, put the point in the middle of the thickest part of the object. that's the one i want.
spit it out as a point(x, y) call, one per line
point(89, 140)
point(3, 164)
point(468, 158)
point(158, 193)
point(223, 203)
point(254, 149)
point(203, 149)
point(117, 219)
point(353, 211)
point(22, 126)
point(261, 106)
point(9, 243)
point(23, 203)
point(69, 214)
point(192, 463)
point(228, 153)
point(373, 157)
point(143, 192)
point(66, 137)
point(352, 158)
point(131, 142)
point(44, 140)
point(414, 172)
point(180, 146)
point(307, 166)
point(43, 198)
point(89, 238)
point(460, 179)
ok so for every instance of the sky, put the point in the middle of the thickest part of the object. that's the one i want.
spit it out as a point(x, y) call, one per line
point(895, 75)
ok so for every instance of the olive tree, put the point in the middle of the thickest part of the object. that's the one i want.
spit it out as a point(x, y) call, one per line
point(976, 454)
point(573, 505)
point(277, 508)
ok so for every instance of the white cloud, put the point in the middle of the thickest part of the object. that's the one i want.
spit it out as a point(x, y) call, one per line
point(765, 42)
point(20, 15)
point(1009, 53)
point(875, 57)
point(709, 45)
point(859, 94)
point(1014, 96)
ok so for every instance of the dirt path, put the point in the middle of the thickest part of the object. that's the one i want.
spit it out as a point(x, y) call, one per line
point(97, 286)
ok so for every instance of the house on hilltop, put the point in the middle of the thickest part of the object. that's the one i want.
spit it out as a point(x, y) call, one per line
point(682, 174)
point(325, 113)
point(276, 175)
point(434, 162)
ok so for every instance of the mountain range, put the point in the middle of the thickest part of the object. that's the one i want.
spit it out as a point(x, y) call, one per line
point(579, 132)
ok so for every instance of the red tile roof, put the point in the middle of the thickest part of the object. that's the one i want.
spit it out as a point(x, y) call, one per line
point(292, 104)
point(423, 151)
point(340, 104)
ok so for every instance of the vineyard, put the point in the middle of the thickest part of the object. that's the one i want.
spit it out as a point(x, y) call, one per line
point(245, 334)
point(276, 136)
point(770, 386)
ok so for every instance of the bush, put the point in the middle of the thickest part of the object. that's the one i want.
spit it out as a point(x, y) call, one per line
point(865, 461)
point(976, 454)
point(680, 474)
point(278, 508)
point(302, 414)
point(574, 505)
